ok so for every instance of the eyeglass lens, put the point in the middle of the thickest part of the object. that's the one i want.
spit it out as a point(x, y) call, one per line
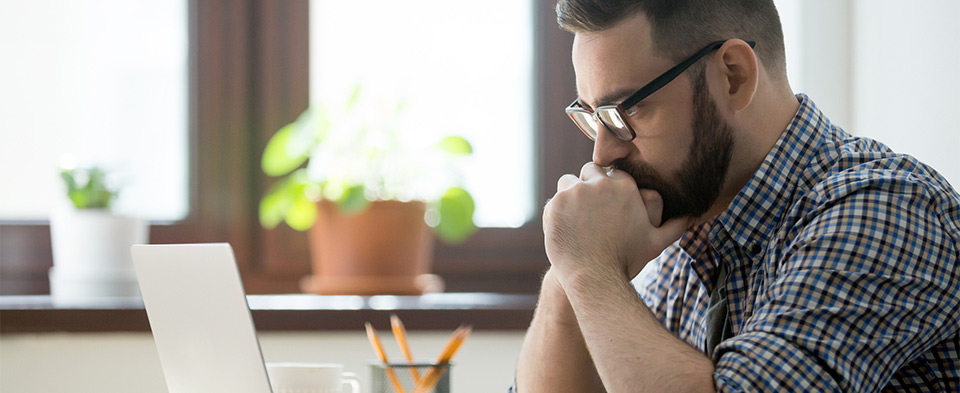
point(587, 123)
point(610, 118)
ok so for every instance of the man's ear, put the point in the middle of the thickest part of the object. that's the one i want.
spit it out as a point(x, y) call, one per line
point(739, 73)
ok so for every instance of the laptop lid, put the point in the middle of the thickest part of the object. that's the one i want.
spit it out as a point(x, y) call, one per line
point(200, 319)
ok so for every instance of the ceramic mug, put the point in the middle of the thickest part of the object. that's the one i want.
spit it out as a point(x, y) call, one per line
point(310, 378)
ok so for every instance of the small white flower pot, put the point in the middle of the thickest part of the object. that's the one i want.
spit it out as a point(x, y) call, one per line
point(91, 254)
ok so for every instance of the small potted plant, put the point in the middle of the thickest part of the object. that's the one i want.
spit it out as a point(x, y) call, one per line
point(371, 196)
point(91, 244)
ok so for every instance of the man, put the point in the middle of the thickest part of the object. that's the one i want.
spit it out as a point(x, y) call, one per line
point(786, 254)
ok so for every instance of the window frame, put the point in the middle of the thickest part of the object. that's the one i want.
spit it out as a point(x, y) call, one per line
point(248, 76)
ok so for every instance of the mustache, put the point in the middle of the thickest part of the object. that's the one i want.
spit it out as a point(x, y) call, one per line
point(643, 175)
point(646, 177)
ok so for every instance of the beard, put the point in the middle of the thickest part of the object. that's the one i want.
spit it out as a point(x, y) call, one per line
point(696, 186)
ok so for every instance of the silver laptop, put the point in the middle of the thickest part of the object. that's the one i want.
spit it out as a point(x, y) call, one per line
point(200, 319)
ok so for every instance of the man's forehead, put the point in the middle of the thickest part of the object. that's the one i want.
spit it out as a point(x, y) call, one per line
point(611, 62)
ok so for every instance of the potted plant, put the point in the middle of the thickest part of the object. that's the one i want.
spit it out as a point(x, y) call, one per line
point(371, 196)
point(91, 244)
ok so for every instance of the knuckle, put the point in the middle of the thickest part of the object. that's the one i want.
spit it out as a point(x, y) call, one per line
point(558, 200)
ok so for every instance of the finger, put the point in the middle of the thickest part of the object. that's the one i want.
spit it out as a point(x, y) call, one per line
point(654, 204)
point(566, 181)
point(591, 171)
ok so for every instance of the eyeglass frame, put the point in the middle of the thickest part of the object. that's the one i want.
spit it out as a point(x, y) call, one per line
point(644, 92)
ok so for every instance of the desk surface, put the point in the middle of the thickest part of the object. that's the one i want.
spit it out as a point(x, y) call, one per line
point(294, 312)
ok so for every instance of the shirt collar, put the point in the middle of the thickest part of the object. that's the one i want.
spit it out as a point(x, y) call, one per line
point(761, 203)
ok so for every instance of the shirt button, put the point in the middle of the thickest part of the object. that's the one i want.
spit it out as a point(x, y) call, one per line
point(756, 249)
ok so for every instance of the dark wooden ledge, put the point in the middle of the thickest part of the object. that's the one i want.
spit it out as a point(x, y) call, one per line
point(443, 311)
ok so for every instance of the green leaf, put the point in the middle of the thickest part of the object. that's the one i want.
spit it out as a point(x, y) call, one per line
point(93, 194)
point(302, 214)
point(456, 209)
point(455, 145)
point(97, 195)
point(353, 200)
point(67, 177)
point(79, 198)
point(274, 205)
point(277, 203)
point(279, 158)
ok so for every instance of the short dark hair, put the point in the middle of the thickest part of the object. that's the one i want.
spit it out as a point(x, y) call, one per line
point(681, 27)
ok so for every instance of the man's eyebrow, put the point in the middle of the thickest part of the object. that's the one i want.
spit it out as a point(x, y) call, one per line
point(610, 98)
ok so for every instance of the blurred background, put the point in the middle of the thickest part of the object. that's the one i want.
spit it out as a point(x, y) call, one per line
point(178, 98)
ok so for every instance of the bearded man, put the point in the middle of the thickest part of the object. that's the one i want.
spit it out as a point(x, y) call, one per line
point(768, 249)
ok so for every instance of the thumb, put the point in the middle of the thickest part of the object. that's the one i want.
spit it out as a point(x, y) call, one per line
point(671, 230)
point(654, 204)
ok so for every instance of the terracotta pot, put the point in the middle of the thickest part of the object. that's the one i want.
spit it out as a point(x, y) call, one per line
point(386, 249)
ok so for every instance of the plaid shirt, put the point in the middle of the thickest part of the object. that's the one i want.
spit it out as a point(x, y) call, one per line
point(843, 270)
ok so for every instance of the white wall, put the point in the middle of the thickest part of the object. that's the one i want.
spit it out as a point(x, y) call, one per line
point(907, 78)
point(824, 57)
point(887, 70)
point(128, 362)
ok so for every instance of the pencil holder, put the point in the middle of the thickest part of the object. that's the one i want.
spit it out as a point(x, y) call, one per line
point(381, 381)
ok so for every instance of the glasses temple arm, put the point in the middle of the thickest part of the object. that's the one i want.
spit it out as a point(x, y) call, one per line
point(672, 73)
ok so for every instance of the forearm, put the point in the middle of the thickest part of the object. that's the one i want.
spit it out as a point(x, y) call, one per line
point(554, 356)
point(632, 351)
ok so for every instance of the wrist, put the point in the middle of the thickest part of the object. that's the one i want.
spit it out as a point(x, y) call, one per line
point(590, 282)
point(553, 299)
point(591, 275)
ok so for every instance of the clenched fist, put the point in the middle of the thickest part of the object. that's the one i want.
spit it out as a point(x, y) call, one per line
point(600, 224)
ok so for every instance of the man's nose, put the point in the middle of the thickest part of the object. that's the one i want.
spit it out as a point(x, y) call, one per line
point(607, 148)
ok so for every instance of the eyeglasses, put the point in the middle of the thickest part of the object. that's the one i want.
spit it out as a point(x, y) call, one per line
point(613, 117)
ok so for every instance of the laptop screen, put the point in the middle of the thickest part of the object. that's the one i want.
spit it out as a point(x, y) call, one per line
point(200, 320)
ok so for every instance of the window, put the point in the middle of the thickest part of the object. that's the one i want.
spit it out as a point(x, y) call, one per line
point(532, 69)
point(458, 68)
point(248, 74)
point(97, 82)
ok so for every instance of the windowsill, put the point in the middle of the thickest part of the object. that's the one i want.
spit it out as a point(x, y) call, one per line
point(295, 312)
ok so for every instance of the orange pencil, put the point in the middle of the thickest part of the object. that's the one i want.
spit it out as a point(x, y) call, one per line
point(375, 342)
point(401, 335)
point(456, 339)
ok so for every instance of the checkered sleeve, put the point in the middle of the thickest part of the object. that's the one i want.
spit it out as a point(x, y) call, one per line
point(650, 285)
point(866, 281)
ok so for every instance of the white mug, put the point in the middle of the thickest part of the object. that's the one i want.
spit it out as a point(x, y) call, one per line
point(310, 378)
